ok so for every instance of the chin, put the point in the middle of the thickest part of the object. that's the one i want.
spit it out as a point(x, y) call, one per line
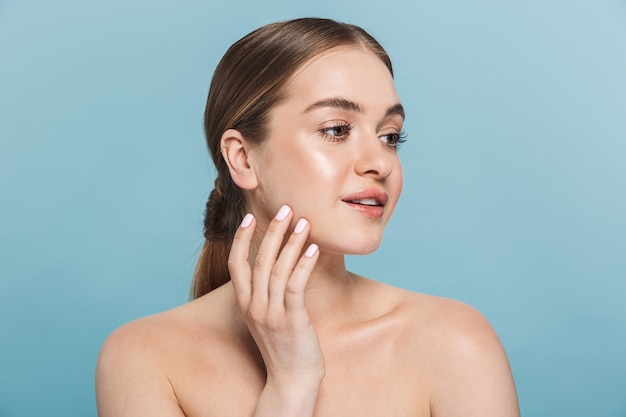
point(343, 241)
point(365, 250)
point(355, 246)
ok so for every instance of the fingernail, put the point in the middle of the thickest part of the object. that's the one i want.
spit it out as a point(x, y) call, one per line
point(300, 226)
point(282, 213)
point(310, 251)
point(247, 220)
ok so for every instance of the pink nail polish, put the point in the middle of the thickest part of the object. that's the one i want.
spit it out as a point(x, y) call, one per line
point(300, 226)
point(310, 251)
point(282, 213)
point(247, 220)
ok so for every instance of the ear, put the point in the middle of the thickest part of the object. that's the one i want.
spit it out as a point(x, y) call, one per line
point(236, 153)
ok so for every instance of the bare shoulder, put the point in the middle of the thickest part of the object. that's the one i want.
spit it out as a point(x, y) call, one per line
point(453, 322)
point(144, 338)
point(135, 373)
point(425, 309)
point(458, 351)
point(131, 373)
point(471, 375)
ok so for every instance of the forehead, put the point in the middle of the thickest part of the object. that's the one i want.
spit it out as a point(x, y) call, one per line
point(345, 71)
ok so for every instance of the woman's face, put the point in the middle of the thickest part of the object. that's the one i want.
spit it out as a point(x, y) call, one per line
point(330, 153)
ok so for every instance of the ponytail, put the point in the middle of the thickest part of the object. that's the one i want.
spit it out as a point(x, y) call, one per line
point(221, 219)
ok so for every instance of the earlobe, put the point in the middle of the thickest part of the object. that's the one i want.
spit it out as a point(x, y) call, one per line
point(235, 151)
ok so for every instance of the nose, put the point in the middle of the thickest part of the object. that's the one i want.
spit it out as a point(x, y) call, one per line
point(374, 158)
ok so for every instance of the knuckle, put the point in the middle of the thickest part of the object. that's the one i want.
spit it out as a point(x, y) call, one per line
point(260, 259)
point(239, 239)
point(274, 322)
point(273, 226)
point(302, 267)
point(293, 289)
point(232, 264)
point(278, 270)
point(255, 315)
point(238, 236)
point(277, 227)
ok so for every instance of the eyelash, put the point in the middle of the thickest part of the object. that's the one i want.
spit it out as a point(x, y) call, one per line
point(345, 127)
point(397, 138)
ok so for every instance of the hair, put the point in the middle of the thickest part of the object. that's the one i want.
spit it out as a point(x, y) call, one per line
point(247, 84)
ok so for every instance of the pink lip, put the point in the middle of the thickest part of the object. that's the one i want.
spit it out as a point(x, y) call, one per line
point(379, 196)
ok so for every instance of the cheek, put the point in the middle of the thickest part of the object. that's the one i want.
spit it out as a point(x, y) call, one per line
point(295, 174)
point(313, 179)
point(318, 168)
point(312, 163)
point(400, 180)
point(311, 182)
point(395, 183)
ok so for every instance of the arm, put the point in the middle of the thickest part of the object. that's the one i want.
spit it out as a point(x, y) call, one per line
point(271, 301)
point(473, 377)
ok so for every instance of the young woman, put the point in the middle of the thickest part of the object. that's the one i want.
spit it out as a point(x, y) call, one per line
point(303, 123)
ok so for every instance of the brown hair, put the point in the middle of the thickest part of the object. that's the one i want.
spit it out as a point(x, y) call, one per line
point(248, 82)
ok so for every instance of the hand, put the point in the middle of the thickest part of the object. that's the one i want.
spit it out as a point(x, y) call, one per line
point(271, 300)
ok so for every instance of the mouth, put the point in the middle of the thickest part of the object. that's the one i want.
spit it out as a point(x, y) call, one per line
point(370, 197)
point(368, 202)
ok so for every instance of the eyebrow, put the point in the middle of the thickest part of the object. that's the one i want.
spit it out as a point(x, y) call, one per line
point(396, 109)
point(349, 105)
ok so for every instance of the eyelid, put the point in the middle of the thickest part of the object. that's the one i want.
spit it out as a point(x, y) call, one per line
point(399, 137)
point(335, 124)
point(391, 121)
point(390, 130)
point(331, 123)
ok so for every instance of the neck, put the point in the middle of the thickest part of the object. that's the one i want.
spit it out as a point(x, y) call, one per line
point(330, 290)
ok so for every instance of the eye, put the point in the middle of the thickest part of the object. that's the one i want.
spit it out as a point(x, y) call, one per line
point(394, 139)
point(337, 132)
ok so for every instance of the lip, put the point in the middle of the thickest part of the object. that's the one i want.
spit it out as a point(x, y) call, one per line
point(379, 196)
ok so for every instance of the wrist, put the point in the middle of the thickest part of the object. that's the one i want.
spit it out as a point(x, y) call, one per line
point(293, 388)
point(294, 399)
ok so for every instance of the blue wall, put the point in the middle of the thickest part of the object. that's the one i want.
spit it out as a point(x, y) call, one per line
point(514, 200)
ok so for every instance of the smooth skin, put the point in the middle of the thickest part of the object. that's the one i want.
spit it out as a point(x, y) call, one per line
point(294, 333)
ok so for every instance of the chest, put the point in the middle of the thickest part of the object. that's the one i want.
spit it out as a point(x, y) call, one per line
point(372, 381)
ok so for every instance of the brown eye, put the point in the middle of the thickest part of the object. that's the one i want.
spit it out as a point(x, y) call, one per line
point(337, 132)
point(393, 140)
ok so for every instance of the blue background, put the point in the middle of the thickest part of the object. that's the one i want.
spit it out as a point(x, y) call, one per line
point(515, 179)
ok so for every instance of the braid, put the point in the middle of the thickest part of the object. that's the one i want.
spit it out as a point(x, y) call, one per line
point(214, 215)
point(221, 220)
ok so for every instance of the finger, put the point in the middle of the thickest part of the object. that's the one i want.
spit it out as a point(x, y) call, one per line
point(266, 256)
point(294, 292)
point(283, 268)
point(238, 265)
